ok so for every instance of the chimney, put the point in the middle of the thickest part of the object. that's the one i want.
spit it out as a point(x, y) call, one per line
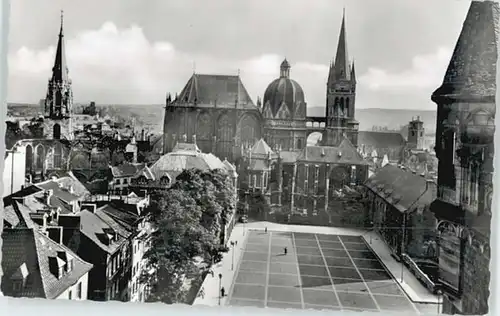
point(44, 225)
point(91, 207)
point(48, 195)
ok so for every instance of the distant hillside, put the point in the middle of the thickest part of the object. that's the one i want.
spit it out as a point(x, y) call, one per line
point(152, 115)
point(392, 119)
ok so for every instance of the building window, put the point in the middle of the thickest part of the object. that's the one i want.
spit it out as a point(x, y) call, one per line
point(69, 295)
point(17, 286)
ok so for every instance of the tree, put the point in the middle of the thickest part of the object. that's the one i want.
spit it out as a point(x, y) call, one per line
point(188, 219)
point(214, 192)
point(176, 246)
point(350, 206)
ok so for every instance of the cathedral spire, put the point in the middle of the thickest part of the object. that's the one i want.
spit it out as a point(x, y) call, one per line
point(353, 72)
point(60, 69)
point(342, 59)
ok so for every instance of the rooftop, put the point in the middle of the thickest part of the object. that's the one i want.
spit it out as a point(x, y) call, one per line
point(402, 188)
point(32, 260)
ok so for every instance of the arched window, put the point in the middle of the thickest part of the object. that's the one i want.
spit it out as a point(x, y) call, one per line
point(58, 153)
point(29, 158)
point(40, 156)
point(56, 131)
point(299, 143)
point(248, 129)
point(225, 134)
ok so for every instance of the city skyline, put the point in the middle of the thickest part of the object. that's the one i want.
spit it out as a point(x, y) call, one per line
point(396, 68)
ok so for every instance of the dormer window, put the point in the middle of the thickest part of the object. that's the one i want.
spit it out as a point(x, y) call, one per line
point(19, 278)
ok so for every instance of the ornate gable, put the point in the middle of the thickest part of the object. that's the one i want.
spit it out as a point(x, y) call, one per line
point(283, 112)
point(267, 112)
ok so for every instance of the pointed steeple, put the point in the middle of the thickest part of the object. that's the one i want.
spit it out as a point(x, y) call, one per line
point(341, 65)
point(353, 72)
point(472, 67)
point(60, 69)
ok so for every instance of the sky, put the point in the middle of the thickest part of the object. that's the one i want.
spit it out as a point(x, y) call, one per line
point(135, 51)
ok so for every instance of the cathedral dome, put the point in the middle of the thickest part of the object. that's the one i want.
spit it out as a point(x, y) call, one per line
point(287, 92)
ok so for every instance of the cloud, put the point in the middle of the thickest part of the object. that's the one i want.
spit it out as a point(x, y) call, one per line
point(121, 66)
point(426, 72)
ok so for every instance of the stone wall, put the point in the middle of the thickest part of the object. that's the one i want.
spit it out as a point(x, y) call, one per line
point(476, 276)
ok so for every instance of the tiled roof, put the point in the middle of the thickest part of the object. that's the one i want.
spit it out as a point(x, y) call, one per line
point(402, 188)
point(229, 166)
point(262, 150)
point(215, 91)
point(472, 68)
point(345, 153)
point(258, 165)
point(69, 180)
point(29, 252)
point(122, 213)
point(27, 191)
point(18, 215)
point(176, 162)
point(59, 191)
point(390, 144)
point(288, 156)
point(117, 227)
point(95, 229)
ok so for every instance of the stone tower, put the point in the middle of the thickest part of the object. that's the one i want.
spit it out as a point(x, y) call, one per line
point(341, 96)
point(465, 129)
point(416, 134)
point(59, 99)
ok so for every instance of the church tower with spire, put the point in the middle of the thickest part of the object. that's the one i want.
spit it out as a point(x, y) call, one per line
point(341, 96)
point(59, 99)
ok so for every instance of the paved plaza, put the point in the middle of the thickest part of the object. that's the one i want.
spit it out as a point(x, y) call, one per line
point(319, 271)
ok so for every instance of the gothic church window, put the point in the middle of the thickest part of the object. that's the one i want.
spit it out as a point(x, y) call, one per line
point(225, 134)
point(58, 156)
point(40, 156)
point(204, 126)
point(248, 129)
point(29, 158)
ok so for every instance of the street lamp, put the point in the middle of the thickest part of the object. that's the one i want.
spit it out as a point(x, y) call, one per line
point(232, 262)
point(220, 286)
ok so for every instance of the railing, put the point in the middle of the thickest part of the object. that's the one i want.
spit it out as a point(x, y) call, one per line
point(415, 269)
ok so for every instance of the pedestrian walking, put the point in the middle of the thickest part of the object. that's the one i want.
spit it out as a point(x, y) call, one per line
point(222, 292)
point(236, 243)
point(265, 230)
point(286, 250)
